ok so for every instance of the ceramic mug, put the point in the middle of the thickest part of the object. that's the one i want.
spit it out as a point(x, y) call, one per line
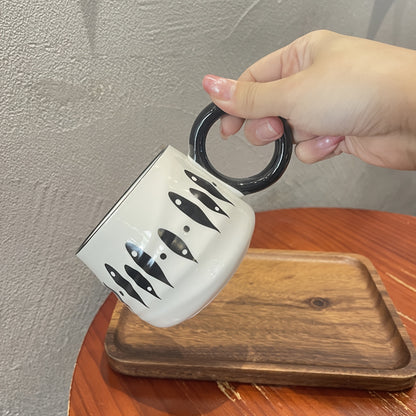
point(178, 234)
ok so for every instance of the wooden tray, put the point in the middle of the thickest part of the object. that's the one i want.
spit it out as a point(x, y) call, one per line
point(286, 317)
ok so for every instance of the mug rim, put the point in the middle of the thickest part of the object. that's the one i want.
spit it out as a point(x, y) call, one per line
point(123, 197)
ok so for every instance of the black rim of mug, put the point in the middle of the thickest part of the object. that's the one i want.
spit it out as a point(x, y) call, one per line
point(269, 175)
point(120, 201)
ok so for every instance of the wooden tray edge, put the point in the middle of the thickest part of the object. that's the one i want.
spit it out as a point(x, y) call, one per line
point(392, 380)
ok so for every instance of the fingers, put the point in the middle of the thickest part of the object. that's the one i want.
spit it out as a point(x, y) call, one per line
point(259, 132)
point(264, 130)
point(281, 63)
point(230, 125)
point(273, 86)
point(260, 127)
point(252, 100)
point(319, 148)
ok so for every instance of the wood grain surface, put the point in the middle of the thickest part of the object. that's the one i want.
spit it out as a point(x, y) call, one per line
point(327, 322)
point(388, 240)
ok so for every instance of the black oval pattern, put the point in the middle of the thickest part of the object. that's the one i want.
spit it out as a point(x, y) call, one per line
point(147, 263)
point(140, 280)
point(123, 283)
point(176, 244)
point(207, 201)
point(191, 210)
point(208, 186)
point(119, 294)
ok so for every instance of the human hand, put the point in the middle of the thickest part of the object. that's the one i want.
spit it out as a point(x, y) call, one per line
point(340, 94)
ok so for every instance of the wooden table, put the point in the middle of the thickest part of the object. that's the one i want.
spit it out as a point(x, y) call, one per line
point(388, 240)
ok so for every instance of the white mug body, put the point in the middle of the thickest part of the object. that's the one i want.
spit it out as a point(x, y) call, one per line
point(172, 241)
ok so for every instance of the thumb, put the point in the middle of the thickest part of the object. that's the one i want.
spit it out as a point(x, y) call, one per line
point(252, 100)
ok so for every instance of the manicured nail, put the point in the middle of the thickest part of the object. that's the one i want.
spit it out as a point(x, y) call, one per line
point(217, 87)
point(222, 134)
point(319, 148)
point(266, 133)
point(328, 142)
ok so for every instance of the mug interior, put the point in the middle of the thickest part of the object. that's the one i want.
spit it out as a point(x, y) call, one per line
point(120, 201)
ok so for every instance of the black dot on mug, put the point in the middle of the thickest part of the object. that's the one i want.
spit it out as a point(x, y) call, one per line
point(121, 293)
point(163, 256)
point(186, 229)
point(214, 183)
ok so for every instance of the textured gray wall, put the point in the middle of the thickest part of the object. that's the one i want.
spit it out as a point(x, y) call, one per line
point(90, 91)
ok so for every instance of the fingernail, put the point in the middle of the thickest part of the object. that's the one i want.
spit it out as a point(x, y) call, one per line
point(266, 133)
point(217, 87)
point(319, 148)
point(222, 134)
point(328, 142)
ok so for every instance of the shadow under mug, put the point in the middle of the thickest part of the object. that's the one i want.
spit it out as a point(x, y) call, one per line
point(177, 235)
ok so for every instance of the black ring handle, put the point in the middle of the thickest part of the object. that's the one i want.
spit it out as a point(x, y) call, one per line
point(270, 174)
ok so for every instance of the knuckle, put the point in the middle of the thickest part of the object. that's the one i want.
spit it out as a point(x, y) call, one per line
point(248, 98)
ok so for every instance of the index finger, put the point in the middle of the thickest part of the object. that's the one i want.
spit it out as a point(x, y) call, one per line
point(279, 64)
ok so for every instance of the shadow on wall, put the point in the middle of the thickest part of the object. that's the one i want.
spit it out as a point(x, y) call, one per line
point(378, 14)
point(89, 10)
